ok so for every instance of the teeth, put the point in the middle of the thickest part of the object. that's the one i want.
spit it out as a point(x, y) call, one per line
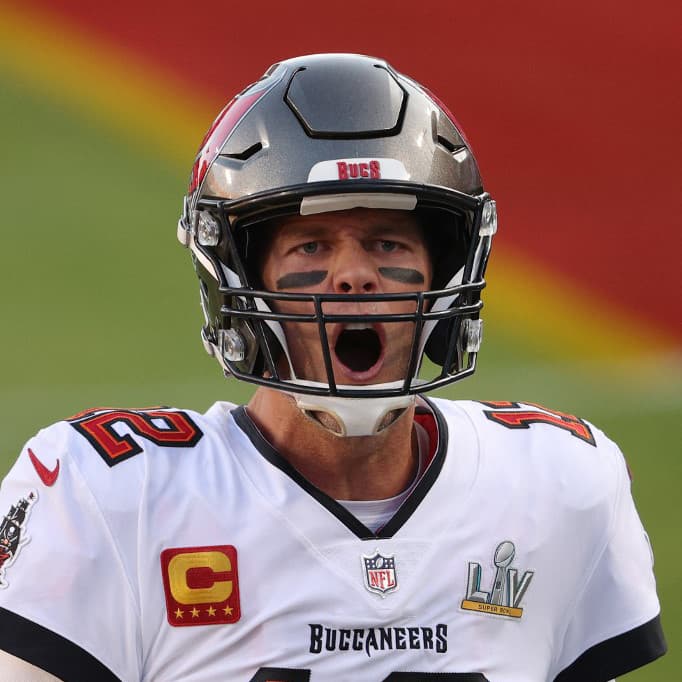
point(357, 326)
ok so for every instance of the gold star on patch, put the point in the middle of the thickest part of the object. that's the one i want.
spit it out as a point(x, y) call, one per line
point(179, 613)
point(210, 611)
point(227, 610)
point(195, 612)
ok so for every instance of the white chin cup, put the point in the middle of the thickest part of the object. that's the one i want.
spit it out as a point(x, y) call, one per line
point(353, 416)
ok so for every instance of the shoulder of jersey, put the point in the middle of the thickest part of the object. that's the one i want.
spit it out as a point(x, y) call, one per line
point(547, 444)
point(526, 421)
point(114, 445)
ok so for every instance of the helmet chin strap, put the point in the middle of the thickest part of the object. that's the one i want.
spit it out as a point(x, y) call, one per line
point(353, 416)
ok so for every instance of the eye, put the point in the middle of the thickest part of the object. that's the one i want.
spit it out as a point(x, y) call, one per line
point(309, 247)
point(386, 245)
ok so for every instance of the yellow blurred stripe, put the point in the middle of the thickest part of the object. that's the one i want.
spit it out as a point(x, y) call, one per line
point(145, 104)
point(93, 77)
point(564, 318)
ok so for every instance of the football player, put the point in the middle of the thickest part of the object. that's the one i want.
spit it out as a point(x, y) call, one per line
point(341, 526)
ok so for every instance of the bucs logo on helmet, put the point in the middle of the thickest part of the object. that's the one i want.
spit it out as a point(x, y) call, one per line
point(12, 537)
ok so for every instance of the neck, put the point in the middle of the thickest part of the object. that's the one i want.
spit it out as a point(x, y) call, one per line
point(346, 468)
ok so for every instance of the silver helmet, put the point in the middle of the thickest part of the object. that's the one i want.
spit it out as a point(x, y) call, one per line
point(330, 132)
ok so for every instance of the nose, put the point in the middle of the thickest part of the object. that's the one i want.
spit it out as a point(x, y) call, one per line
point(355, 271)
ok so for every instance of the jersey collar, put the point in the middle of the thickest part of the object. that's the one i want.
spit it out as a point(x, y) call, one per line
point(427, 414)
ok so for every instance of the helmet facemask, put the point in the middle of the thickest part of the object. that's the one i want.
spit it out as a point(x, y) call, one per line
point(245, 330)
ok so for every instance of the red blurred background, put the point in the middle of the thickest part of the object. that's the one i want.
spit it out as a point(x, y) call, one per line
point(573, 110)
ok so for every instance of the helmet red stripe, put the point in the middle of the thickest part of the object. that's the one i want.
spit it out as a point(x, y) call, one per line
point(218, 133)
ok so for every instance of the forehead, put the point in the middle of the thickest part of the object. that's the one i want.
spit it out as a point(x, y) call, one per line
point(359, 222)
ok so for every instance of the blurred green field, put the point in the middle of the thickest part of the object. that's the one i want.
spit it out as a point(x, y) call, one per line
point(100, 307)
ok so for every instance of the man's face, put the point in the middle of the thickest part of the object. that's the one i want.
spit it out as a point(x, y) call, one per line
point(358, 251)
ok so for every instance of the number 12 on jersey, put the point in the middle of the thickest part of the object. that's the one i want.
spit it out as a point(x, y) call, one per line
point(518, 416)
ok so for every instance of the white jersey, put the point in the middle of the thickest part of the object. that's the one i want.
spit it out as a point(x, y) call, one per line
point(167, 545)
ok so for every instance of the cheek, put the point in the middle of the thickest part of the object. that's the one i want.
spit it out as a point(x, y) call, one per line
point(303, 341)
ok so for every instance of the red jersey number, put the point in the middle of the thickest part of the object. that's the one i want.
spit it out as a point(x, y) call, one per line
point(169, 428)
point(521, 416)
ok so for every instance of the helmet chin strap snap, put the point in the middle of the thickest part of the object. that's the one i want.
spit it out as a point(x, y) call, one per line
point(352, 416)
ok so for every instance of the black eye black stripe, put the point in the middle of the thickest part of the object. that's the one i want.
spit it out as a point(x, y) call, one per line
point(294, 280)
point(405, 275)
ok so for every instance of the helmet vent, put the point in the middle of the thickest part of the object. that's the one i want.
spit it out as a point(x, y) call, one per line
point(247, 153)
point(360, 100)
point(450, 146)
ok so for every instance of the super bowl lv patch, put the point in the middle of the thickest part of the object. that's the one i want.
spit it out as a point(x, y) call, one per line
point(504, 599)
point(12, 532)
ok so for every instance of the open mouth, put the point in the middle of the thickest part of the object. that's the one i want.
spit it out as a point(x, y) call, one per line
point(358, 347)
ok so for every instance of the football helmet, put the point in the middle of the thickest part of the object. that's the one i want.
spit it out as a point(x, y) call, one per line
point(330, 132)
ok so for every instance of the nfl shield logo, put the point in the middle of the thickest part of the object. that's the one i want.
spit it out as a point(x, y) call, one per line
point(379, 573)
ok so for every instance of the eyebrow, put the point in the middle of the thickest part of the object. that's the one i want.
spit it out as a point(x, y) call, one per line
point(405, 275)
point(295, 280)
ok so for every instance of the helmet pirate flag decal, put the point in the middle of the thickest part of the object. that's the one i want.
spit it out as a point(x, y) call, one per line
point(12, 535)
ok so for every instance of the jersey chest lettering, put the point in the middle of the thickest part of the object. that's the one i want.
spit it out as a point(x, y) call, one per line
point(372, 640)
